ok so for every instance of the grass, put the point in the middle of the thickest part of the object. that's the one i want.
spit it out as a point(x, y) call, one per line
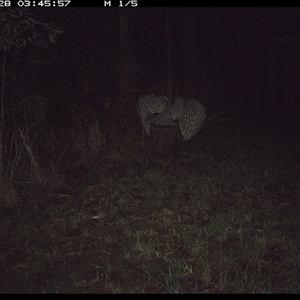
point(212, 218)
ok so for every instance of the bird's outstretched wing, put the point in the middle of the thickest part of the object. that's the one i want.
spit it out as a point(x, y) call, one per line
point(189, 113)
point(148, 106)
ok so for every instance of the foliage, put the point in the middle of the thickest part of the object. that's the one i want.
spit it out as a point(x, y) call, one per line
point(35, 106)
point(18, 29)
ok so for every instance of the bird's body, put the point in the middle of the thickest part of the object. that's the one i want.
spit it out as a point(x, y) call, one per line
point(189, 113)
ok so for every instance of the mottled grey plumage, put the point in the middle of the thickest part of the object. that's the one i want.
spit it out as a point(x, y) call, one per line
point(189, 113)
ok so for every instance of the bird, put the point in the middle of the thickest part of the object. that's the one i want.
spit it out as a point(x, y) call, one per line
point(188, 113)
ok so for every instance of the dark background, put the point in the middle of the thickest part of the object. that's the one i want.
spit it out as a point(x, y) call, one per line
point(224, 56)
point(241, 60)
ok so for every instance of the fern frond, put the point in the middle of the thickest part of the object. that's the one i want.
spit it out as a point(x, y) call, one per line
point(35, 106)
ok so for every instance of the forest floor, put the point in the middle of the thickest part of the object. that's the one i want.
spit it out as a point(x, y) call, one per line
point(220, 214)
